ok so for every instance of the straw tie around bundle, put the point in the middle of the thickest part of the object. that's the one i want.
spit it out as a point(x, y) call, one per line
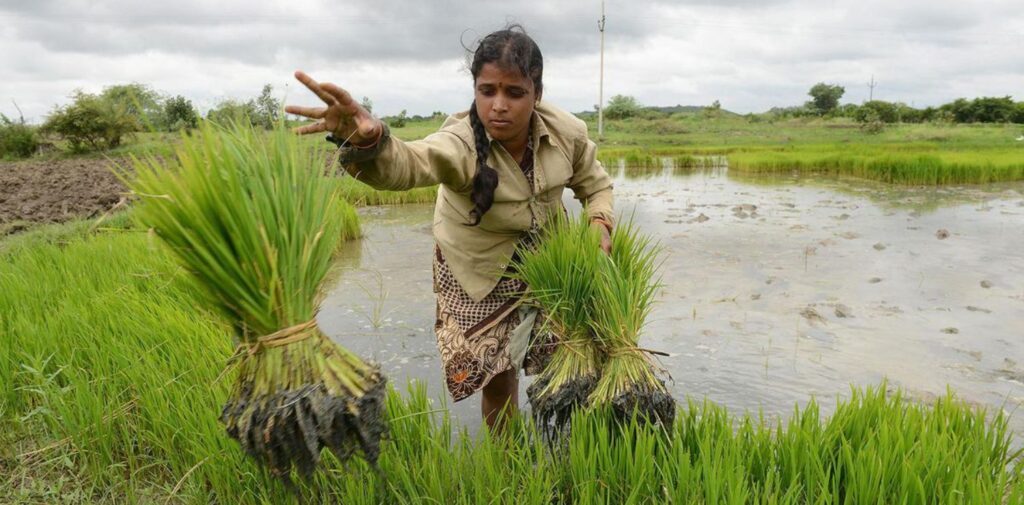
point(281, 337)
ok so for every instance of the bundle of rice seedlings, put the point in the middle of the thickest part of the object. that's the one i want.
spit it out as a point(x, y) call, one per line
point(559, 273)
point(256, 221)
point(624, 297)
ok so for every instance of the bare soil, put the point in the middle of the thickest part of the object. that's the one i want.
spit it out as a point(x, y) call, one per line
point(55, 191)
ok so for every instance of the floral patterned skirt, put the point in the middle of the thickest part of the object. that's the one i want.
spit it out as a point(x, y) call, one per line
point(473, 337)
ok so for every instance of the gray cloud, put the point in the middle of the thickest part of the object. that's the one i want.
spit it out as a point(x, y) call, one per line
point(406, 54)
point(353, 31)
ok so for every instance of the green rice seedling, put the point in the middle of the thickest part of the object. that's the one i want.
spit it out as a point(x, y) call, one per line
point(256, 221)
point(625, 293)
point(360, 194)
point(633, 158)
point(560, 271)
point(906, 164)
point(109, 367)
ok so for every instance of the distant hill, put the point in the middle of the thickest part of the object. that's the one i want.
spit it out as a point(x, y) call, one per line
point(670, 109)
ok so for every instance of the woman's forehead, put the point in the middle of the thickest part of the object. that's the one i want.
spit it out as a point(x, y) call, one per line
point(492, 73)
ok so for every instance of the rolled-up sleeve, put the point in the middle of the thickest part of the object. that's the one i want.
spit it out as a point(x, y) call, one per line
point(590, 182)
point(395, 165)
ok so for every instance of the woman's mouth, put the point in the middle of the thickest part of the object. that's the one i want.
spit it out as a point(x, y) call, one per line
point(501, 123)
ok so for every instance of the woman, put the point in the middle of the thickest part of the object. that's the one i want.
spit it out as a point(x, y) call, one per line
point(502, 167)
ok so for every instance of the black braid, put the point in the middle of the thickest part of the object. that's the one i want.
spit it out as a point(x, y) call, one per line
point(485, 180)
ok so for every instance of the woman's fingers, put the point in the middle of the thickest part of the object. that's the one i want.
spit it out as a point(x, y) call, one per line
point(315, 87)
point(343, 114)
point(366, 125)
point(339, 94)
point(311, 128)
point(310, 112)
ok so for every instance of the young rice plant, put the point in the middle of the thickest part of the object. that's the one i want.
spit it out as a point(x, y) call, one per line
point(256, 220)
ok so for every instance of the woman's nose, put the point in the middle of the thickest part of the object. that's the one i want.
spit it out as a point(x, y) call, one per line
point(499, 104)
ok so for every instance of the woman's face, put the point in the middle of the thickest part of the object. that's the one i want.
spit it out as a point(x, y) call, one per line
point(504, 102)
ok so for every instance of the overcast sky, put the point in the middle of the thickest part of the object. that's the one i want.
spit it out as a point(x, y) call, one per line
point(408, 54)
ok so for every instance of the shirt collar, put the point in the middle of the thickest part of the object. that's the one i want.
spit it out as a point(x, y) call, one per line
point(540, 130)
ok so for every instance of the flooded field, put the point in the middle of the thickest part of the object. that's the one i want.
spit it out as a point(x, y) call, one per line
point(774, 289)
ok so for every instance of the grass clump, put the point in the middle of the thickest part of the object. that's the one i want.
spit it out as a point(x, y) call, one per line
point(256, 221)
point(596, 306)
point(17, 139)
point(560, 272)
point(359, 194)
point(626, 289)
point(917, 164)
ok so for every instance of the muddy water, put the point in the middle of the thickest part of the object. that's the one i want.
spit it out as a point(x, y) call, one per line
point(775, 290)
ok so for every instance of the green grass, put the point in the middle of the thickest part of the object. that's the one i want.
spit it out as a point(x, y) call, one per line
point(899, 164)
point(361, 195)
point(110, 393)
point(902, 154)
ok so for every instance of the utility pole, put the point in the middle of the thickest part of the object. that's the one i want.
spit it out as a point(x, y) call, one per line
point(600, 85)
point(871, 85)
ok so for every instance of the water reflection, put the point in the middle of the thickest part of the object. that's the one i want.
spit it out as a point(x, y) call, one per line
point(669, 167)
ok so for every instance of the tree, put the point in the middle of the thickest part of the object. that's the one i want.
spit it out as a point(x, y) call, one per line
point(399, 120)
point(877, 110)
point(137, 100)
point(91, 122)
point(712, 111)
point(991, 109)
point(1018, 113)
point(262, 111)
point(232, 111)
point(985, 109)
point(17, 139)
point(871, 122)
point(960, 110)
point(825, 97)
point(266, 108)
point(622, 107)
point(367, 104)
point(179, 114)
point(907, 114)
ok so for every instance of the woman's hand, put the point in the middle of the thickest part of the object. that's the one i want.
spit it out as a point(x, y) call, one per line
point(343, 116)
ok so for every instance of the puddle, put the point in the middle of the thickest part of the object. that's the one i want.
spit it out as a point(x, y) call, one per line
point(776, 289)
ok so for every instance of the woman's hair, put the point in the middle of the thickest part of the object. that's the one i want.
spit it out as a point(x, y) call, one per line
point(509, 49)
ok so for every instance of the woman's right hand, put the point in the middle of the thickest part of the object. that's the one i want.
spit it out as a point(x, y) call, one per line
point(343, 116)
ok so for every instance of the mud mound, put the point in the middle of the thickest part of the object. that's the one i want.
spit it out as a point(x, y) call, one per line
point(56, 191)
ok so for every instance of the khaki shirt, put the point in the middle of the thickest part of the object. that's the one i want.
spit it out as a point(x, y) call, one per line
point(478, 255)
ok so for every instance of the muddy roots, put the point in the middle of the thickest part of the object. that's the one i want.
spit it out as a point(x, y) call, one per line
point(653, 404)
point(553, 408)
point(287, 430)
